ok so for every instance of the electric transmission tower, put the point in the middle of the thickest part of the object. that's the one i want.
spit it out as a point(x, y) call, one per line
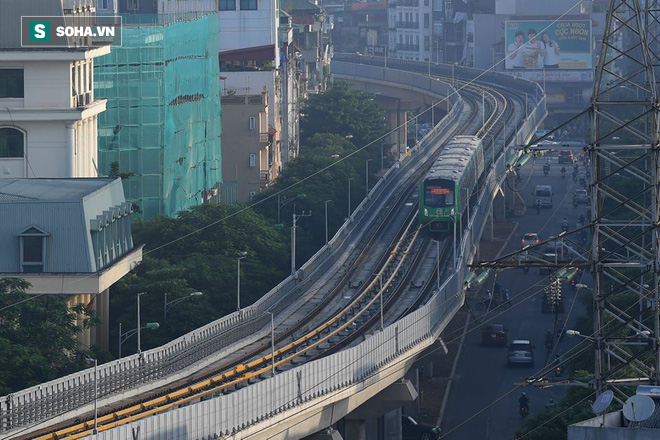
point(624, 160)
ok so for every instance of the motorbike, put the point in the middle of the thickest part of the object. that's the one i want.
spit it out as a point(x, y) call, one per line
point(524, 411)
point(559, 370)
point(573, 283)
point(563, 175)
point(564, 227)
point(546, 169)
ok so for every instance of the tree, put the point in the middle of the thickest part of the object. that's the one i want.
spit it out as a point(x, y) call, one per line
point(185, 254)
point(343, 111)
point(37, 336)
point(552, 424)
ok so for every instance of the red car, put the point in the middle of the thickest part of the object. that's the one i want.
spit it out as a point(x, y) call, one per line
point(494, 334)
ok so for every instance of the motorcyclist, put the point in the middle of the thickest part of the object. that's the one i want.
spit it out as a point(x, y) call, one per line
point(524, 401)
point(546, 168)
point(575, 167)
point(563, 172)
point(538, 206)
point(564, 224)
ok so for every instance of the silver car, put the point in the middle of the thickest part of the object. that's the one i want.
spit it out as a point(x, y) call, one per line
point(521, 352)
point(581, 196)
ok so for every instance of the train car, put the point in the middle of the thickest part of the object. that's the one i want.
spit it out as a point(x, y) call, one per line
point(445, 191)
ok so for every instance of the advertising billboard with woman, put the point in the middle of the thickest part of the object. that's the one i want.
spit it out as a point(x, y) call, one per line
point(546, 44)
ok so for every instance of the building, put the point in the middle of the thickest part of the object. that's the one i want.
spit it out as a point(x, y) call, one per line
point(163, 118)
point(70, 237)
point(490, 30)
point(247, 142)
point(250, 60)
point(48, 109)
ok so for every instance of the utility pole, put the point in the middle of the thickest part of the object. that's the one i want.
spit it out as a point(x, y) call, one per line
point(293, 240)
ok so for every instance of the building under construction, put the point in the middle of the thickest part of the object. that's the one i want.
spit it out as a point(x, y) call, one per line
point(161, 130)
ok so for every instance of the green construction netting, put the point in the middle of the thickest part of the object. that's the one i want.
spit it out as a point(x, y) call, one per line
point(162, 120)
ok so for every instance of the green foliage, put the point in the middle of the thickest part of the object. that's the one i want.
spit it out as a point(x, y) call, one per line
point(552, 424)
point(198, 257)
point(114, 171)
point(343, 111)
point(37, 336)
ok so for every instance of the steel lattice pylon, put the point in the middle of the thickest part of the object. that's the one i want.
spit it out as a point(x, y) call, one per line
point(624, 161)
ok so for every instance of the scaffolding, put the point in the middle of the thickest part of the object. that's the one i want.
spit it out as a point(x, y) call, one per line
point(162, 120)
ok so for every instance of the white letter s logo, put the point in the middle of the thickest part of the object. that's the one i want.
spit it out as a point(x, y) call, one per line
point(40, 31)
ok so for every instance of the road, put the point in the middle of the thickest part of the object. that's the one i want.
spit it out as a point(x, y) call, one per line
point(483, 401)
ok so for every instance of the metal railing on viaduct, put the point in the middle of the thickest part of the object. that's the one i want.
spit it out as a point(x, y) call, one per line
point(311, 396)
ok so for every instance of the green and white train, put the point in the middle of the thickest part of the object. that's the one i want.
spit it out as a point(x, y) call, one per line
point(446, 190)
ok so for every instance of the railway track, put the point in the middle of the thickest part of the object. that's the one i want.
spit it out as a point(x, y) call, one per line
point(393, 270)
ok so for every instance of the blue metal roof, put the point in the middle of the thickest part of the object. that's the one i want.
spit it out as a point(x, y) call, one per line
point(50, 189)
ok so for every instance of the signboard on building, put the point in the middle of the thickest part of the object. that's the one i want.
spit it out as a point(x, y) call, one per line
point(546, 44)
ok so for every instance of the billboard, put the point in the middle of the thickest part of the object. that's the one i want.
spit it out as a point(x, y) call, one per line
point(547, 44)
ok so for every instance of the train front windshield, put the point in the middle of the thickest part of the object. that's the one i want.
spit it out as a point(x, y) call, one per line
point(439, 193)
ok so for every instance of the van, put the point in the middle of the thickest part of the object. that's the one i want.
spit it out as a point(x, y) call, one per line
point(543, 195)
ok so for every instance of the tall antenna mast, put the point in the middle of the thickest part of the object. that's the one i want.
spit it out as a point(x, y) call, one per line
point(623, 151)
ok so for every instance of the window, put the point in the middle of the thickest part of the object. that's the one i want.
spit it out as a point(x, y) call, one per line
point(248, 5)
point(11, 143)
point(426, 21)
point(11, 83)
point(227, 5)
point(132, 5)
point(253, 160)
point(33, 250)
point(104, 4)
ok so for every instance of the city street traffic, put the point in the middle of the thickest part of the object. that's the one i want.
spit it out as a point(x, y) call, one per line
point(483, 401)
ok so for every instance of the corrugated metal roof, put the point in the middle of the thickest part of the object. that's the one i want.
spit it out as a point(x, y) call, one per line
point(50, 189)
point(13, 197)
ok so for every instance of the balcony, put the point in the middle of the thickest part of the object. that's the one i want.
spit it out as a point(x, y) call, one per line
point(409, 47)
point(407, 25)
point(264, 176)
point(395, 3)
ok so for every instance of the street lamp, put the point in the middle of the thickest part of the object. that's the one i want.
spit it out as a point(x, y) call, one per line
point(280, 204)
point(326, 220)
point(349, 196)
point(272, 339)
point(367, 175)
point(96, 395)
point(124, 336)
point(168, 305)
point(293, 240)
point(240, 256)
point(138, 321)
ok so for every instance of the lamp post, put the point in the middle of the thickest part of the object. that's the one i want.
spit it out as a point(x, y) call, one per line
point(293, 239)
point(138, 322)
point(96, 395)
point(124, 336)
point(367, 176)
point(240, 256)
point(272, 340)
point(349, 196)
point(280, 204)
point(326, 220)
point(168, 305)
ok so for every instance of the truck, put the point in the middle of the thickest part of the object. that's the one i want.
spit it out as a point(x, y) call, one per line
point(543, 196)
